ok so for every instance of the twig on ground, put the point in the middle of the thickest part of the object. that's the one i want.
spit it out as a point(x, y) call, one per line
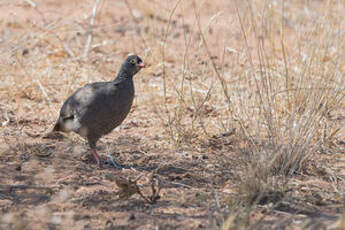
point(31, 3)
point(130, 187)
point(136, 21)
point(165, 38)
point(114, 163)
point(11, 188)
point(90, 31)
point(44, 92)
point(7, 119)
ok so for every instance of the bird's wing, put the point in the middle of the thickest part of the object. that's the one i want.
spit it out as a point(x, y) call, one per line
point(87, 98)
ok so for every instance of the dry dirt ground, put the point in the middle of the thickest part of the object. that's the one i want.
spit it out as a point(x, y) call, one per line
point(180, 142)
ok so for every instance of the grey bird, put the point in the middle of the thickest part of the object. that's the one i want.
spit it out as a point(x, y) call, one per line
point(97, 108)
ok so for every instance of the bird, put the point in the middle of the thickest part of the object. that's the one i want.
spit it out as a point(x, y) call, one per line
point(95, 109)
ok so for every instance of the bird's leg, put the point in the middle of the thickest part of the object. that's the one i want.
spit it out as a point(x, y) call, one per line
point(92, 144)
point(95, 155)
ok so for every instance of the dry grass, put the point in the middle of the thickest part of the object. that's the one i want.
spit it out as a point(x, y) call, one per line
point(240, 114)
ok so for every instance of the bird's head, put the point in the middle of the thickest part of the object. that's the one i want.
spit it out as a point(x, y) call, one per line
point(133, 64)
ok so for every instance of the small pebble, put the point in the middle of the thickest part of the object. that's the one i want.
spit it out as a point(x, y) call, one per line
point(131, 217)
point(204, 157)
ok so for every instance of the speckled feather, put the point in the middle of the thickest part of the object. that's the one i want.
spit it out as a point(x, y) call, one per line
point(96, 109)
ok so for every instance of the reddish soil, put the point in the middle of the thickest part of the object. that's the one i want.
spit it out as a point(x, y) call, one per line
point(53, 184)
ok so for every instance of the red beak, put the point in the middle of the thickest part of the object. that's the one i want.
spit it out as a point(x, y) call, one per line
point(142, 65)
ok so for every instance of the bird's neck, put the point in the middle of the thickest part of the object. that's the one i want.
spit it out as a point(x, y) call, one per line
point(124, 75)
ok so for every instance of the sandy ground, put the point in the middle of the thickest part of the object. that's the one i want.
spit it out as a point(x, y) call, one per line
point(52, 184)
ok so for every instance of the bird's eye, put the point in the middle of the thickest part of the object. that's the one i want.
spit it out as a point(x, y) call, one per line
point(133, 61)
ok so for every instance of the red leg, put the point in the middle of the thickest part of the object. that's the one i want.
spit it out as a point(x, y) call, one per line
point(95, 155)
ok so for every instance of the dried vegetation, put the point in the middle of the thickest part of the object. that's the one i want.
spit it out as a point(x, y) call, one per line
point(238, 122)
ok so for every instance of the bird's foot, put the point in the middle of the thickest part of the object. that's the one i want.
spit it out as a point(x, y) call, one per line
point(97, 158)
point(91, 158)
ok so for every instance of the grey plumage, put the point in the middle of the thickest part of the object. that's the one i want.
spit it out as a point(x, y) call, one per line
point(97, 108)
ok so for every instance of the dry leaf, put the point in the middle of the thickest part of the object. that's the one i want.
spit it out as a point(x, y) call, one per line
point(127, 187)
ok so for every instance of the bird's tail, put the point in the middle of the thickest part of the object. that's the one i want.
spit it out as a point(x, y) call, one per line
point(53, 133)
point(57, 127)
